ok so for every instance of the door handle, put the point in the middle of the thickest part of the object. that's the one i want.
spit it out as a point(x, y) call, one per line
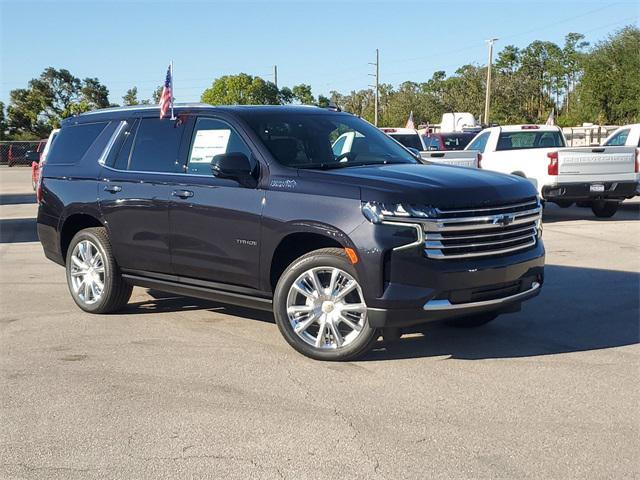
point(182, 193)
point(113, 188)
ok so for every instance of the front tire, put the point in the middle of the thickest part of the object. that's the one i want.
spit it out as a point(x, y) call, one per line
point(320, 309)
point(93, 276)
point(604, 209)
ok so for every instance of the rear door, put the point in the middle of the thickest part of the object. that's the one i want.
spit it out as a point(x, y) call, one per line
point(215, 223)
point(134, 192)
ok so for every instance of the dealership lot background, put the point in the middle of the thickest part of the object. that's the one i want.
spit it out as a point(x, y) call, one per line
point(182, 388)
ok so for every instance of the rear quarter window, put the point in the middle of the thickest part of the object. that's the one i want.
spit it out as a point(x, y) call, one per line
point(72, 143)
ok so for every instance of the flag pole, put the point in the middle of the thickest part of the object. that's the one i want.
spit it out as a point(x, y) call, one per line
point(172, 115)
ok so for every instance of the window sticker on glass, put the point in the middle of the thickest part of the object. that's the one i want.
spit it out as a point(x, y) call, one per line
point(208, 144)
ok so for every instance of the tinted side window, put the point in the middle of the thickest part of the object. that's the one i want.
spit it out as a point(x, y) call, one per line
point(156, 145)
point(619, 139)
point(479, 143)
point(73, 142)
point(213, 137)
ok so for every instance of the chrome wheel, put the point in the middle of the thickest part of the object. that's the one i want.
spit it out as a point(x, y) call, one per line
point(87, 272)
point(326, 308)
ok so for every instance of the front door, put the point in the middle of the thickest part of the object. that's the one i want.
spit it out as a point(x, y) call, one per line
point(215, 223)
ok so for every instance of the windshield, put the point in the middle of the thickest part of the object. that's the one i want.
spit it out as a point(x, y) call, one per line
point(521, 140)
point(408, 140)
point(324, 140)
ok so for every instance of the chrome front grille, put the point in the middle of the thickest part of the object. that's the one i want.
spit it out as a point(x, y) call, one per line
point(482, 232)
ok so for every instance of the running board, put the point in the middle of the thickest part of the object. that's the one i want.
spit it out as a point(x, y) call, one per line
point(221, 296)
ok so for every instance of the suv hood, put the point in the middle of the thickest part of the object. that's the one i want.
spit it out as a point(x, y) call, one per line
point(433, 184)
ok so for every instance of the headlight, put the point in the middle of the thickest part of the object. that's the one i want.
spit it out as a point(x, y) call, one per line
point(377, 212)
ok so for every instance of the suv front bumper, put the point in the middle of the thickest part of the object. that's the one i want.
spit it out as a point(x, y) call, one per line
point(442, 309)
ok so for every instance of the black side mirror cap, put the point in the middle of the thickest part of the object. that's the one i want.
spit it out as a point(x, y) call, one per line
point(233, 166)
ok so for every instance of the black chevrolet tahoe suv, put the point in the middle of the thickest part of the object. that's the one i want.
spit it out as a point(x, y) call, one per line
point(312, 213)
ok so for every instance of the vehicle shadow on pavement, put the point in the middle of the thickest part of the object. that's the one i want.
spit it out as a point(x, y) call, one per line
point(18, 230)
point(553, 213)
point(579, 309)
point(167, 302)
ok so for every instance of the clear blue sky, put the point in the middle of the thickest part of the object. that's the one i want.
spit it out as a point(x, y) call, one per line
point(325, 44)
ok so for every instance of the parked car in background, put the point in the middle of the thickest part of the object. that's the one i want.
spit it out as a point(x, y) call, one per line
point(447, 141)
point(413, 140)
point(408, 137)
point(602, 176)
point(628, 136)
point(469, 159)
point(252, 206)
point(40, 156)
point(17, 154)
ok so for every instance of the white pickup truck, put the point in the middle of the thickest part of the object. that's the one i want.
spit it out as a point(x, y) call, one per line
point(601, 176)
point(627, 136)
point(411, 139)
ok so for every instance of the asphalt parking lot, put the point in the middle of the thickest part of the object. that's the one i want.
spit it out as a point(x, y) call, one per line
point(182, 388)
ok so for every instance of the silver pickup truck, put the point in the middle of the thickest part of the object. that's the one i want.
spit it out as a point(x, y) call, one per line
point(599, 177)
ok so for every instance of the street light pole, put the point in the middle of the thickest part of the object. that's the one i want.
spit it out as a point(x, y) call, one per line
point(487, 98)
point(377, 86)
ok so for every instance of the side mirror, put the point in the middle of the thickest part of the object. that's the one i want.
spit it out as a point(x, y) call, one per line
point(32, 156)
point(234, 166)
point(415, 151)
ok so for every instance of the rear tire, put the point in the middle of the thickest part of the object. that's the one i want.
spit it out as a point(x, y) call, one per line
point(604, 209)
point(93, 276)
point(320, 309)
point(473, 321)
point(564, 203)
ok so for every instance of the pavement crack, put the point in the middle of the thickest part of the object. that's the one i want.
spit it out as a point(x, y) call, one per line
point(45, 467)
point(373, 459)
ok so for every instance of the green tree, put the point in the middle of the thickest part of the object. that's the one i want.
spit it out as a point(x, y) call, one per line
point(131, 98)
point(3, 123)
point(55, 95)
point(157, 93)
point(241, 89)
point(323, 101)
point(94, 93)
point(302, 93)
point(609, 90)
point(573, 52)
point(285, 95)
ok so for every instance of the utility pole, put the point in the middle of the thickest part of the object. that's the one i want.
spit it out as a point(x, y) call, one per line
point(487, 98)
point(377, 86)
point(275, 75)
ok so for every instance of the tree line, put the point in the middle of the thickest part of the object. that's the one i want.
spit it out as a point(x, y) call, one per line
point(578, 81)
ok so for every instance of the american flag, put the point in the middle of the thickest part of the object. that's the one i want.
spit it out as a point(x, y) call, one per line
point(410, 123)
point(166, 99)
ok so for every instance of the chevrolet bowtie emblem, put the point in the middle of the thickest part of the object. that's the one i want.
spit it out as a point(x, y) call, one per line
point(504, 220)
